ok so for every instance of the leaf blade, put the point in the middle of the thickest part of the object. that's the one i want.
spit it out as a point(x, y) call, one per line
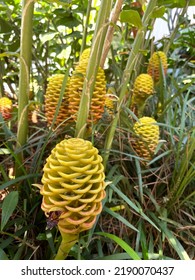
point(131, 17)
point(8, 206)
point(3, 256)
point(122, 244)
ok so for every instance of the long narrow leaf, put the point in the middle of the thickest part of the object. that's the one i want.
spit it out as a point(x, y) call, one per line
point(3, 256)
point(122, 244)
point(9, 204)
point(120, 218)
point(139, 175)
point(172, 239)
point(18, 179)
point(132, 205)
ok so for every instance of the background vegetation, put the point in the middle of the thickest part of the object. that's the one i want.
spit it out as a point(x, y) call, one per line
point(149, 209)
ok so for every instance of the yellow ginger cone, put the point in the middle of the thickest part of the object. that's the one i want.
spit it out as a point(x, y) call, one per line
point(73, 188)
point(76, 87)
point(85, 55)
point(143, 87)
point(146, 137)
point(110, 105)
point(6, 107)
point(154, 65)
point(52, 98)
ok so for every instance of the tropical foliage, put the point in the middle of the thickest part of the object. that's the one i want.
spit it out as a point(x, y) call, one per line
point(139, 131)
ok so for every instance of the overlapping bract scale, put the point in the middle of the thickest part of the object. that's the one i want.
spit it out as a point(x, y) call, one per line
point(156, 60)
point(85, 55)
point(109, 105)
point(73, 183)
point(6, 107)
point(52, 99)
point(76, 87)
point(143, 87)
point(146, 137)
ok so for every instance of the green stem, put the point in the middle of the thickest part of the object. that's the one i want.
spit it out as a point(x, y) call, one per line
point(86, 26)
point(111, 29)
point(24, 77)
point(138, 42)
point(68, 240)
point(93, 65)
point(175, 30)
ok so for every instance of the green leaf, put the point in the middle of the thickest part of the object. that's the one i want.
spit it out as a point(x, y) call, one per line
point(9, 54)
point(8, 206)
point(50, 240)
point(158, 12)
point(66, 18)
point(18, 179)
point(122, 244)
point(47, 37)
point(131, 17)
point(60, 2)
point(175, 3)
point(5, 27)
point(120, 218)
point(3, 256)
point(174, 242)
point(132, 205)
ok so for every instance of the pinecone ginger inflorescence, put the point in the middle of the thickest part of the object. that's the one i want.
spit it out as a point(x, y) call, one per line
point(52, 98)
point(76, 86)
point(146, 137)
point(73, 185)
point(6, 107)
point(110, 105)
point(143, 88)
point(156, 60)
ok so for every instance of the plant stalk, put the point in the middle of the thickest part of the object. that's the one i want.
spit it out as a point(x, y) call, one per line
point(86, 26)
point(110, 32)
point(138, 42)
point(93, 65)
point(68, 240)
point(24, 76)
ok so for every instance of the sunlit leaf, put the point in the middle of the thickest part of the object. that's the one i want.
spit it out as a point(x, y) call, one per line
point(4, 151)
point(158, 12)
point(131, 17)
point(121, 243)
point(47, 37)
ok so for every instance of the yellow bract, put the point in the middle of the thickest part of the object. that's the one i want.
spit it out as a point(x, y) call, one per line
point(157, 59)
point(5, 107)
point(72, 95)
point(76, 87)
point(146, 137)
point(73, 185)
point(143, 87)
point(85, 55)
point(109, 104)
point(52, 98)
